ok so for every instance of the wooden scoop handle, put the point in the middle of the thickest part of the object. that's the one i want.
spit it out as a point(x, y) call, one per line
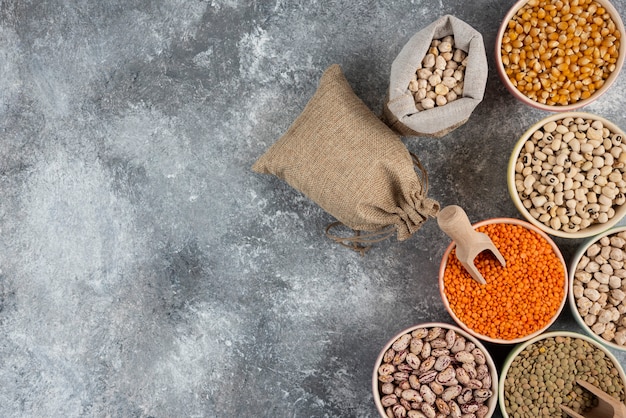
point(454, 222)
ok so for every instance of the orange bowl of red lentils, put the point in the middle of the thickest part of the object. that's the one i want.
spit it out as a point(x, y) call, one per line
point(560, 55)
point(519, 300)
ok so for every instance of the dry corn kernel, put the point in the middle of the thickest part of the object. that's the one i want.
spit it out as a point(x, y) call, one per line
point(571, 41)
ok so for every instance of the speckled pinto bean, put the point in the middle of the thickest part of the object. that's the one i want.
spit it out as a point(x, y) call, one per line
point(599, 288)
point(448, 380)
point(543, 376)
point(571, 173)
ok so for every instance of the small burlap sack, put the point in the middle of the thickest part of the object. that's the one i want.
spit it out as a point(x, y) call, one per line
point(400, 112)
point(341, 156)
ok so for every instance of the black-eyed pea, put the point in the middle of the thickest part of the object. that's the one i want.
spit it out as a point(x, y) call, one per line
point(550, 127)
point(585, 223)
point(545, 218)
point(598, 149)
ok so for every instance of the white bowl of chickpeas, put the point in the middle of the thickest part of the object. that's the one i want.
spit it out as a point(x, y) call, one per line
point(560, 56)
point(567, 174)
point(597, 292)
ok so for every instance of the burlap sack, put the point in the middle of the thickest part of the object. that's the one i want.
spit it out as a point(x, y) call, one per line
point(400, 112)
point(341, 156)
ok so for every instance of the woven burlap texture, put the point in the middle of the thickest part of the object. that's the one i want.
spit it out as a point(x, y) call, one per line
point(344, 158)
point(399, 110)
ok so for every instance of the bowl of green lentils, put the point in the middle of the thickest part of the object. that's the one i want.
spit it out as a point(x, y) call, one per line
point(539, 375)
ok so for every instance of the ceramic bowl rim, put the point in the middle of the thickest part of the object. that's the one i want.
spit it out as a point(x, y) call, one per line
point(519, 145)
point(493, 402)
point(556, 250)
point(615, 15)
point(520, 347)
point(572, 302)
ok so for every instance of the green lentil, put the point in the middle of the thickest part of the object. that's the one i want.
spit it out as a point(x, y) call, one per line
point(543, 376)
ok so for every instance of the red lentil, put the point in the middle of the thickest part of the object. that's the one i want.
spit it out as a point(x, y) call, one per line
point(518, 299)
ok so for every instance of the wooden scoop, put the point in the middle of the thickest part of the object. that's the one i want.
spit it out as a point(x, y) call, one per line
point(469, 243)
point(608, 406)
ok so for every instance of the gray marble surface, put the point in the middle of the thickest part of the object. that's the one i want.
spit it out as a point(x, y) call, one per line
point(146, 271)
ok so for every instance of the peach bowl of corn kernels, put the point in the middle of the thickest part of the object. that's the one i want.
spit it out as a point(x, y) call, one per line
point(560, 56)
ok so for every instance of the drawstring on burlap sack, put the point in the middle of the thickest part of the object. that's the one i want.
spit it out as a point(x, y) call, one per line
point(359, 242)
point(363, 242)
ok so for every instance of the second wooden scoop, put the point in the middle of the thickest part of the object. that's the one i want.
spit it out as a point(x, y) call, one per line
point(608, 406)
point(469, 243)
